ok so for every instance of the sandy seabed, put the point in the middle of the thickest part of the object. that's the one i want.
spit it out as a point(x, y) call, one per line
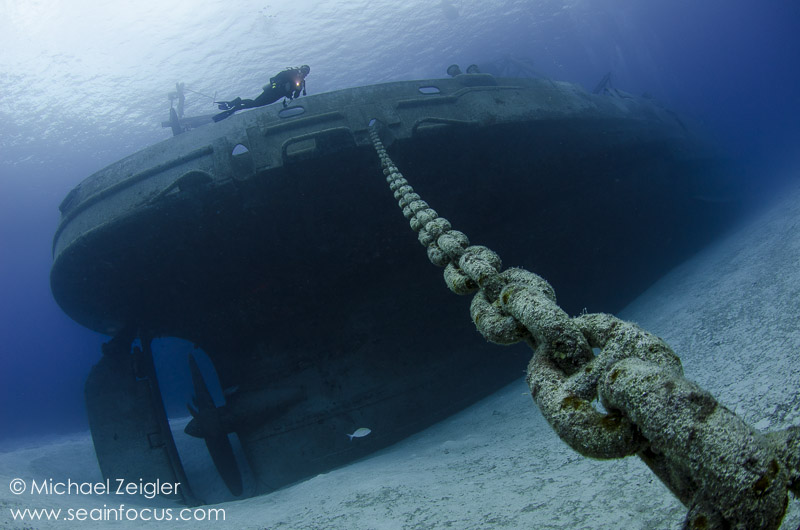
point(732, 314)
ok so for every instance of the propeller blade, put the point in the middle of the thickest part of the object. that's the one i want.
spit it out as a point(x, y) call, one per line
point(202, 397)
point(206, 424)
point(221, 451)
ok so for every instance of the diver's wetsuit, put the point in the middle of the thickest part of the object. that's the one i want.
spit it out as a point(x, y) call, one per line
point(287, 84)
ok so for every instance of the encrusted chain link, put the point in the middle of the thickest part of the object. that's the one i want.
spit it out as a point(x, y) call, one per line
point(726, 473)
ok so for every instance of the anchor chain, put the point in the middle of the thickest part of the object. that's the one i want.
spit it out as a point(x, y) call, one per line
point(726, 473)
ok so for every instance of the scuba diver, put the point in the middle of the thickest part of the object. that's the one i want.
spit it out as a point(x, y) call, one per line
point(286, 84)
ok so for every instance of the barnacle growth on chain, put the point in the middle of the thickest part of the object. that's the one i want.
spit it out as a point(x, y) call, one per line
point(725, 473)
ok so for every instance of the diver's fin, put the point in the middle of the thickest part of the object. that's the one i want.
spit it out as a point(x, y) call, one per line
point(222, 115)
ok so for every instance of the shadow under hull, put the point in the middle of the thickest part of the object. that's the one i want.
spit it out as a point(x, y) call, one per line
point(272, 242)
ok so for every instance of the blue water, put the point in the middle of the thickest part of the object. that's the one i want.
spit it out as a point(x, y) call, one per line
point(84, 83)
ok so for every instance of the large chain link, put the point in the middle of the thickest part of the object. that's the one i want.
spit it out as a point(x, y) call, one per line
point(726, 473)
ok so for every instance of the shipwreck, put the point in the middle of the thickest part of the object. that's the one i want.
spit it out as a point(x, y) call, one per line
point(270, 241)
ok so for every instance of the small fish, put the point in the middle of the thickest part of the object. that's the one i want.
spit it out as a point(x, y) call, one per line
point(230, 390)
point(360, 433)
